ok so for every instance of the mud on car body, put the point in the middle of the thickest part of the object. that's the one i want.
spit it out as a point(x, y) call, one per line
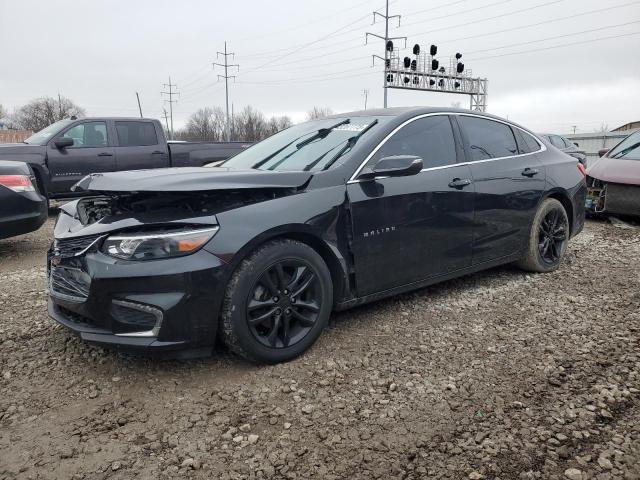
point(325, 215)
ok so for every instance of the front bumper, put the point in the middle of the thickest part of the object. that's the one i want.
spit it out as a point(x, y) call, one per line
point(157, 305)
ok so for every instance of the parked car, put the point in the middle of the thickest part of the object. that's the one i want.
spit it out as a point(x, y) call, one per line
point(22, 208)
point(567, 146)
point(66, 151)
point(323, 216)
point(614, 180)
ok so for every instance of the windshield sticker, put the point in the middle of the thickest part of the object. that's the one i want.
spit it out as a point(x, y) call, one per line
point(351, 127)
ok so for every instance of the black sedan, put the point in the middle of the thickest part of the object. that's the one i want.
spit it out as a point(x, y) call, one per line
point(22, 208)
point(567, 146)
point(323, 216)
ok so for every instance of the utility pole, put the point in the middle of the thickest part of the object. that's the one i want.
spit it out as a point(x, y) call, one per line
point(226, 77)
point(166, 118)
point(171, 101)
point(365, 92)
point(387, 41)
point(574, 128)
point(139, 107)
point(59, 106)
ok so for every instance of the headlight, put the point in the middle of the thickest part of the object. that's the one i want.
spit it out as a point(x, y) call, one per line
point(154, 245)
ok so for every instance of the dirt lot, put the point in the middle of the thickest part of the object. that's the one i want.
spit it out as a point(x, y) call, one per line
point(497, 375)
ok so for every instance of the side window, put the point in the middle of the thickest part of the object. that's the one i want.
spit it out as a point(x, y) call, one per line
point(136, 134)
point(88, 135)
point(526, 143)
point(487, 139)
point(430, 138)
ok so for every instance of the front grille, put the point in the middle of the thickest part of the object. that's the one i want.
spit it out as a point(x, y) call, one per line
point(69, 283)
point(70, 247)
point(74, 317)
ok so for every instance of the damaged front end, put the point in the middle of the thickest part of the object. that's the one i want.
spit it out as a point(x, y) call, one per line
point(612, 198)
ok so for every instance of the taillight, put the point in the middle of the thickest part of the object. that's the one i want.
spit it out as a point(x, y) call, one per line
point(17, 183)
point(583, 170)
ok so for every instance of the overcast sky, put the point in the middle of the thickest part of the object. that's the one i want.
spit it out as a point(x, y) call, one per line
point(295, 54)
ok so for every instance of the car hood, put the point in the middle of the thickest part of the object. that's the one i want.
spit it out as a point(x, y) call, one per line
point(190, 180)
point(616, 170)
point(13, 148)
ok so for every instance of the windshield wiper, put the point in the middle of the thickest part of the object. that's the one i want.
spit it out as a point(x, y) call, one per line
point(323, 132)
point(350, 143)
point(626, 150)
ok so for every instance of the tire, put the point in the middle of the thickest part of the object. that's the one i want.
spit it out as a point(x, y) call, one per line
point(42, 190)
point(537, 258)
point(264, 322)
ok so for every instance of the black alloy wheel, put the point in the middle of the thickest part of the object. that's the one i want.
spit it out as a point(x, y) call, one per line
point(548, 238)
point(277, 302)
point(552, 236)
point(284, 303)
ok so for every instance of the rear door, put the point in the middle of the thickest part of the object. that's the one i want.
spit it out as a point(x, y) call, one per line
point(509, 182)
point(91, 152)
point(410, 228)
point(139, 145)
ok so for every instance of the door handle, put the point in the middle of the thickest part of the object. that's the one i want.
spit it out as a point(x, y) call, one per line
point(157, 152)
point(459, 183)
point(529, 172)
point(105, 154)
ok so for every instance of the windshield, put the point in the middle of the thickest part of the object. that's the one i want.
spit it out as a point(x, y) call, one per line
point(45, 134)
point(629, 148)
point(310, 146)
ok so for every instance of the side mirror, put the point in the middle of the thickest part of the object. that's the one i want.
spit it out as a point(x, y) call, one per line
point(64, 142)
point(394, 166)
point(602, 152)
point(576, 144)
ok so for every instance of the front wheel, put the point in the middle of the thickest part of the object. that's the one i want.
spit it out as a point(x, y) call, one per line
point(277, 302)
point(547, 239)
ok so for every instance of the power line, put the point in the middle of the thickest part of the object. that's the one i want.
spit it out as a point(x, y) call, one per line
point(226, 77)
point(554, 37)
point(306, 24)
point(468, 10)
point(171, 101)
point(557, 46)
point(480, 20)
point(544, 22)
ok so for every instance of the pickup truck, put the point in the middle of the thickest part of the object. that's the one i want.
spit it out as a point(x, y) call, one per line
point(65, 152)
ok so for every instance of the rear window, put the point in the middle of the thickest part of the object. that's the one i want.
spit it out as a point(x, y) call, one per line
point(526, 143)
point(488, 139)
point(136, 134)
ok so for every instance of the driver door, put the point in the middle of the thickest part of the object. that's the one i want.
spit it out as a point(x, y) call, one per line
point(407, 229)
point(91, 152)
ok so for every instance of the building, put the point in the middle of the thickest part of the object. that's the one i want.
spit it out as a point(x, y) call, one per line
point(14, 136)
point(628, 127)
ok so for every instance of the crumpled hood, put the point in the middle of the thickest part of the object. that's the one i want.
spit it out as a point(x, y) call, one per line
point(190, 180)
point(616, 170)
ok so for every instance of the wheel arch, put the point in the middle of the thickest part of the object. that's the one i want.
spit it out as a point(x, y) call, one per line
point(302, 233)
point(563, 197)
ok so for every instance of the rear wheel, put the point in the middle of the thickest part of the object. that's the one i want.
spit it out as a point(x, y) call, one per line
point(277, 302)
point(548, 238)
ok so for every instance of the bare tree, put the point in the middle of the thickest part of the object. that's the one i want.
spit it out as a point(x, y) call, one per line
point(275, 124)
point(42, 112)
point(3, 112)
point(206, 124)
point(319, 112)
point(250, 125)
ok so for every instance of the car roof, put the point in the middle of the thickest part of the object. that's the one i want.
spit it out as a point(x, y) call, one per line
point(113, 118)
point(409, 112)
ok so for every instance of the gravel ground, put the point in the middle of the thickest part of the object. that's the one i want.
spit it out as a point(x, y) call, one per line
point(499, 375)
